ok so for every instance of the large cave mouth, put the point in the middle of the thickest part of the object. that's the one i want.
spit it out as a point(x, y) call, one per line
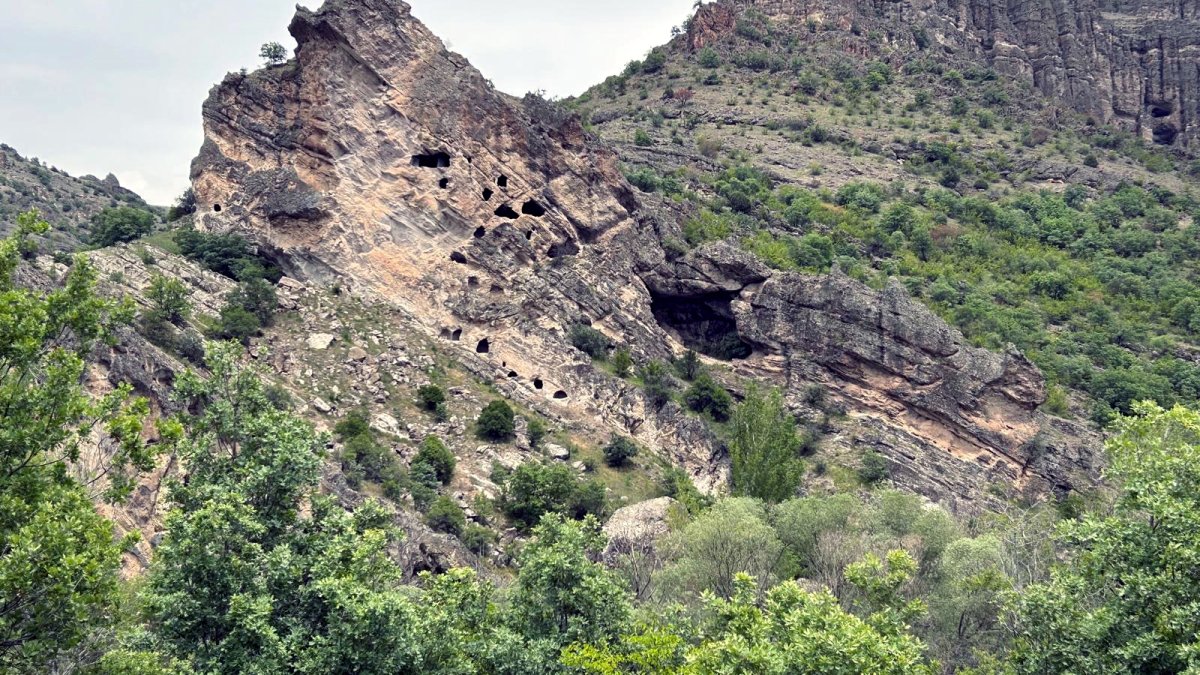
point(704, 323)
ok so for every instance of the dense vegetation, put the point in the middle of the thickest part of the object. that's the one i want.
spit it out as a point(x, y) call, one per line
point(260, 572)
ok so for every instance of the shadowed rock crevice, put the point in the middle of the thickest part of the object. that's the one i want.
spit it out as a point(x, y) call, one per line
point(435, 160)
point(704, 323)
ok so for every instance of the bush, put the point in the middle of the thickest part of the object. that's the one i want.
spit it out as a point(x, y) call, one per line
point(361, 455)
point(235, 323)
point(120, 224)
point(874, 468)
point(435, 453)
point(533, 490)
point(258, 297)
point(191, 347)
point(478, 539)
point(709, 59)
point(622, 362)
point(354, 424)
point(226, 254)
point(430, 396)
point(655, 61)
point(536, 431)
point(642, 139)
point(688, 366)
point(706, 396)
point(619, 451)
point(656, 382)
point(168, 299)
point(590, 341)
point(497, 421)
point(445, 516)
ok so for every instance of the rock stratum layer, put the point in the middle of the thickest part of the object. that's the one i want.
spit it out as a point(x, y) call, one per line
point(379, 161)
point(1133, 63)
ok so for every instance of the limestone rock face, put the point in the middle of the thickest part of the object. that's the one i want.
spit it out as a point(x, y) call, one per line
point(379, 161)
point(1133, 63)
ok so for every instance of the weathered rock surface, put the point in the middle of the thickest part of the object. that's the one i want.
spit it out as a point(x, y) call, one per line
point(1134, 63)
point(382, 162)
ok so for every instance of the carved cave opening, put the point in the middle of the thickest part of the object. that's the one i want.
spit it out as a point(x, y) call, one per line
point(444, 183)
point(458, 258)
point(216, 208)
point(704, 323)
point(560, 394)
point(507, 211)
point(537, 383)
point(487, 194)
point(532, 208)
point(1164, 134)
point(483, 347)
point(568, 247)
point(502, 181)
point(435, 160)
point(456, 335)
point(480, 232)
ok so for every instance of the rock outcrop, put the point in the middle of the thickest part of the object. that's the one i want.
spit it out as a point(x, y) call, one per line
point(1133, 63)
point(379, 161)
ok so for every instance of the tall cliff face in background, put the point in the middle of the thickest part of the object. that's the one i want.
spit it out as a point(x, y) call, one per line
point(381, 162)
point(1131, 63)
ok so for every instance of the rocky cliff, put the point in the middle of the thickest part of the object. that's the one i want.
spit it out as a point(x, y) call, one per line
point(380, 162)
point(1134, 64)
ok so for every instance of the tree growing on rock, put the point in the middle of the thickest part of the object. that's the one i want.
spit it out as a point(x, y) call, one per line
point(496, 422)
point(273, 53)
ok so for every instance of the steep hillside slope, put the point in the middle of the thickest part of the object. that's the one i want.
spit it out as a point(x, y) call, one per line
point(379, 161)
point(67, 203)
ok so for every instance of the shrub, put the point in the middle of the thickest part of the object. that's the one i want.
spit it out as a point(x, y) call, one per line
point(258, 297)
point(622, 362)
point(708, 146)
point(226, 254)
point(688, 366)
point(354, 424)
point(168, 299)
point(120, 224)
point(533, 490)
point(445, 516)
point(655, 60)
point(536, 431)
point(642, 139)
point(874, 468)
point(362, 455)
point(619, 451)
point(706, 396)
point(272, 53)
point(191, 347)
point(656, 382)
point(235, 323)
point(478, 539)
point(430, 397)
point(709, 59)
point(435, 453)
point(590, 341)
point(496, 422)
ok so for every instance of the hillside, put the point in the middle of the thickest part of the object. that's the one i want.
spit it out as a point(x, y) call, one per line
point(828, 338)
point(68, 203)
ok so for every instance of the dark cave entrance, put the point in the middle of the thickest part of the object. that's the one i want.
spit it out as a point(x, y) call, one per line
point(507, 211)
point(502, 181)
point(705, 323)
point(434, 160)
point(532, 208)
point(483, 347)
point(487, 194)
point(1164, 134)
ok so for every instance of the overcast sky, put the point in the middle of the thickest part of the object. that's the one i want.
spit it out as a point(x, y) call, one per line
point(99, 86)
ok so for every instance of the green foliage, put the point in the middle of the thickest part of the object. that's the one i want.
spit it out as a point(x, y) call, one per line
point(536, 431)
point(708, 58)
point(642, 139)
point(533, 490)
point(731, 538)
point(435, 453)
point(618, 451)
point(120, 224)
point(657, 383)
point(446, 516)
point(496, 421)
point(1126, 599)
point(168, 299)
point(763, 447)
point(226, 254)
point(353, 425)
point(58, 557)
point(258, 297)
point(706, 396)
point(795, 631)
point(185, 205)
point(874, 468)
point(622, 362)
point(688, 366)
point(235, 323)
point(590, 341)
point(655, 60)
point(430, 396)
point(272, 53)
point(561, 595)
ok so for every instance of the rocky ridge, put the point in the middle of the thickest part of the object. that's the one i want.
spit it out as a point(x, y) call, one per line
point(381, 162)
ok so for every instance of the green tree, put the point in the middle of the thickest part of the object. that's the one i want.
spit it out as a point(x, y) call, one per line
point(435, 453)
point(763, 448)
point(496, 421)
point(1128, 597)
point(561, 595)
point(706, 396)
point(619, 450)
point(430, 396)
point(794, 631)
point(534, 490)
point(622, 362)
point(656, 382)
point(590, 341)
point(58, 557)
point(730, 538)
point(235, 323)
point(120, 224)
point(248, 581)
point(168, 299)
point(446, 516)
point(258, 297)
point(272, 53)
